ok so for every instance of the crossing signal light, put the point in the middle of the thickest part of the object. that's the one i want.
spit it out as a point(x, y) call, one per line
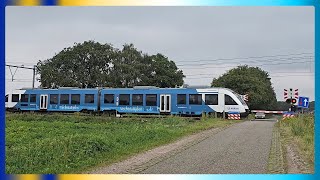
point(288, 101)
point(293, 101)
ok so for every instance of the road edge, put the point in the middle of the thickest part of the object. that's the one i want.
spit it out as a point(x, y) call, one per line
point(276, 160)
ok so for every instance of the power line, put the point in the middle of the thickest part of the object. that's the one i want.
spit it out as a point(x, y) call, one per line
point(268, 73)
point(251, 61)
point(240, 64)
point(218, 59)
point(21, 64)
point(211, 77)
point(23, 67)
point(227, 59)
point(22, 80)
point(293, 75)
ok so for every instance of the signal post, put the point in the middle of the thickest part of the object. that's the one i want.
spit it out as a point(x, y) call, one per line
point(292, 100)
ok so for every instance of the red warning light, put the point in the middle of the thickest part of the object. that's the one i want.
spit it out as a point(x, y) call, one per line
point(293, 101)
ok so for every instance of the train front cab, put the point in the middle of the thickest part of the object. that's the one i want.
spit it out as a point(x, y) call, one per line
point(232, 102)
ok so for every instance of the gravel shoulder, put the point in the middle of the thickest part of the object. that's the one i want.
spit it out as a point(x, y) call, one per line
point(295, 162)
point(285, 157)
point(276, 164)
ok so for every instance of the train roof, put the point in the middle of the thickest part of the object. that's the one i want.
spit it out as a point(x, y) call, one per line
point(133, 88)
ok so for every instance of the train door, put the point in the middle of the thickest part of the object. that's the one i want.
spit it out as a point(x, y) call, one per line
point(165, 103)
point(221, 107)
point(43, 102)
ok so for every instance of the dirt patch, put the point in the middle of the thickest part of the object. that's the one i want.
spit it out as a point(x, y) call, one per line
point(293, 160)
point(144, 160)
point(284, 155)
point(295, 163)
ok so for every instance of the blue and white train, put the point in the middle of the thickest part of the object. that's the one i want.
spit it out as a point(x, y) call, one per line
point(137, 100)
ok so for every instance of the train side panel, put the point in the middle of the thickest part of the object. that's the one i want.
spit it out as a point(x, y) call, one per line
point(168, 101)
point(176, 101)
point(54, 100)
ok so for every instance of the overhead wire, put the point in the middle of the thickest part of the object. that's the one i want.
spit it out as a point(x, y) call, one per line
point(211, 77)
point(250, 57)
point(251, 61)
point(271, 64)
point(213, 62)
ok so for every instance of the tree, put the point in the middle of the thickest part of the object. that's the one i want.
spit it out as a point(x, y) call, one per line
point(252, 81)
point(126, 69)
point(84, 65)
point(282, 106)
point(91, 64)
point(163, 72)
point(311, 106)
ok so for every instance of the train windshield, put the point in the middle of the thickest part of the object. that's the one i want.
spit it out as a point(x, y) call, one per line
point(240, 98)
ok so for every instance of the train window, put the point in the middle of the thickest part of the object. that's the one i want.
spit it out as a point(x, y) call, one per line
point(229, 101)
point(109, 98)
point(137, 99)
point(211, 99)
point(151, 100)
point(64, 98)
point(89, 98)
point(7, 98)
point(24, 98)
point(195, 99)
point(181, 99)
point(53, 98)
point(124, 99)
point(15, 97)
point(33, 97)
point(75, 98)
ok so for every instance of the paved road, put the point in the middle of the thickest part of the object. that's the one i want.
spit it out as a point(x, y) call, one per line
point(242, 148)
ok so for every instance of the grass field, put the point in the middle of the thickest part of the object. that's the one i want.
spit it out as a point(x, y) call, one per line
point(45, 144)
point(300, 131)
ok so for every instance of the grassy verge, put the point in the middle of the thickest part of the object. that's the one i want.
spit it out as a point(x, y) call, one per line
point(300, 132)
point(45, 144)
point(276, 161)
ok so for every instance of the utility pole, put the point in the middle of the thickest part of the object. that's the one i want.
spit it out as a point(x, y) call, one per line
point(34, 76)
point(291, 98)
point(33, 68)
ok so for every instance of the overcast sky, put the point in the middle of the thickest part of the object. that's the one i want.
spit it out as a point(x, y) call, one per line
point(204, 42)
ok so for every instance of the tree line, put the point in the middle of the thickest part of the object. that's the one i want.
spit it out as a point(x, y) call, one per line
point(92, 64)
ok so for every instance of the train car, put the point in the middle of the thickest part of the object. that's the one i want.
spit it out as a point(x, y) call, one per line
point(53, 100)
point(137, 100)
point(176, 101)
